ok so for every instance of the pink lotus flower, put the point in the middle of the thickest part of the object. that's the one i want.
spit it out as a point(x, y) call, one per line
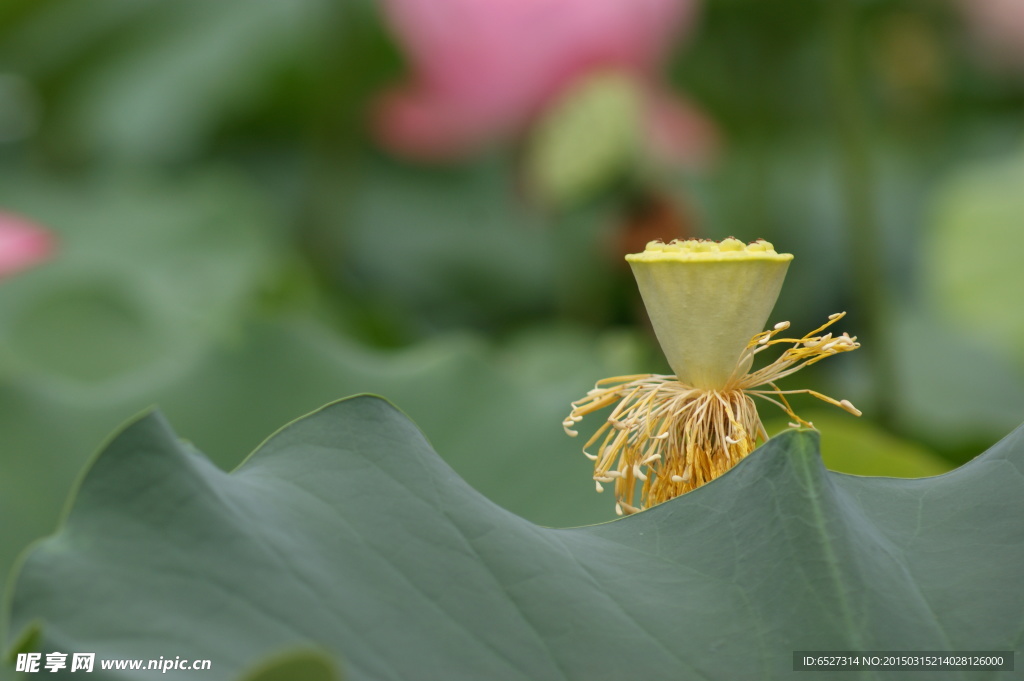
point(22, 244)
point(484, 69)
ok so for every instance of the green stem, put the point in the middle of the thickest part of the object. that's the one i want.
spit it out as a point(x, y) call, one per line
point(859, 196)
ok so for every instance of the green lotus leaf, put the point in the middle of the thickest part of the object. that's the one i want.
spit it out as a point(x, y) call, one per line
point(346, 532)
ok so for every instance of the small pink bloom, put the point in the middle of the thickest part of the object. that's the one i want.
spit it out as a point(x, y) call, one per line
point(22, 244)
point(483, 69)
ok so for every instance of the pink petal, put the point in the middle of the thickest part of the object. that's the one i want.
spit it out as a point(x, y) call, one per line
point(22, 244)
point(417, 123)
point(484, 68)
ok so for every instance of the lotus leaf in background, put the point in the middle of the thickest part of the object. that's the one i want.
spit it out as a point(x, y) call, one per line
point(956, 390)
point(974, 252)
point(346, 532)
point(442, 249)
point(151, 82)
point(862, 448)
point(149, 272)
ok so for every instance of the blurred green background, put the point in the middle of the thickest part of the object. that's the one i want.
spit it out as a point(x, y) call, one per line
point(236, 248)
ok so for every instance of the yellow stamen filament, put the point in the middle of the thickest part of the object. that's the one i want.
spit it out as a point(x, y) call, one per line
point(667, 438)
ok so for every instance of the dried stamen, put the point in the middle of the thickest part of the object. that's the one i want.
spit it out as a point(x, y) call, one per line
point(667, 438)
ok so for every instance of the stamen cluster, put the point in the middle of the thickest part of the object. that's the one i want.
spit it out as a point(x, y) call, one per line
point(666, 437)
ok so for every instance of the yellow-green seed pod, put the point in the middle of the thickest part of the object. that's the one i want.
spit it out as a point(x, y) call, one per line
point(706, 300)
